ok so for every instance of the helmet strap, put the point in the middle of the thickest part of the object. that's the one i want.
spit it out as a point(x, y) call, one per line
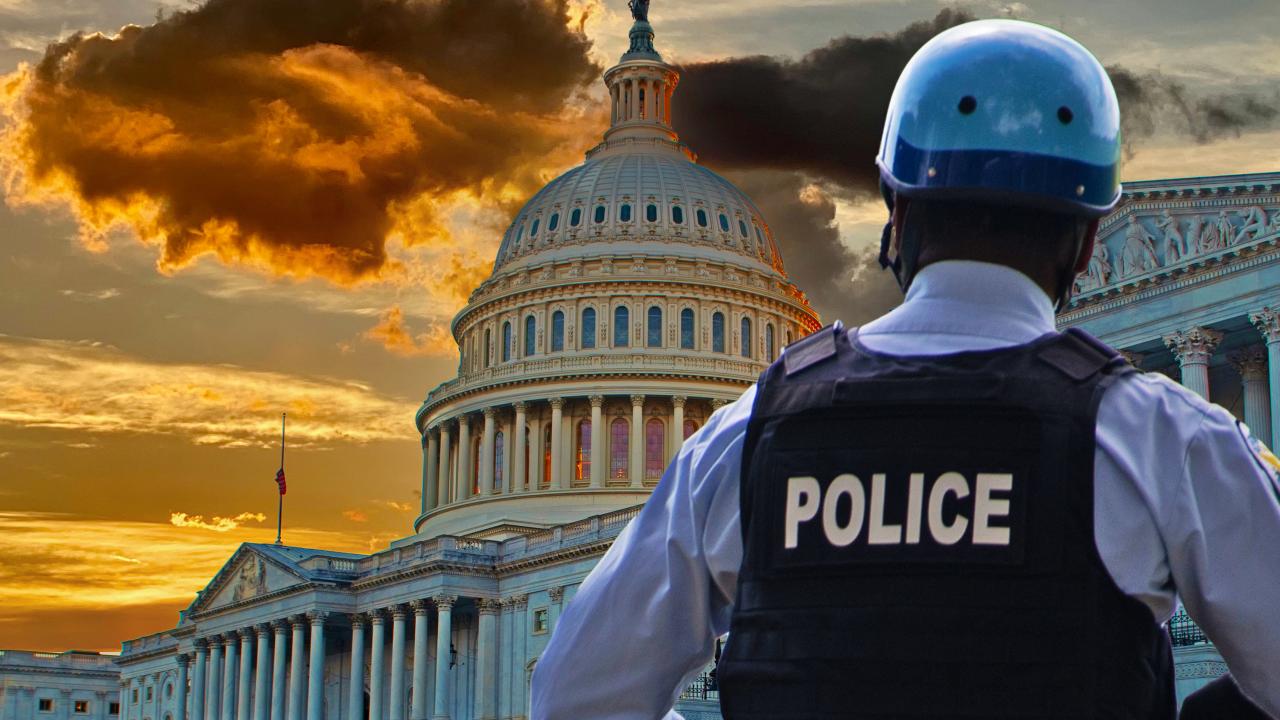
point(892, 258)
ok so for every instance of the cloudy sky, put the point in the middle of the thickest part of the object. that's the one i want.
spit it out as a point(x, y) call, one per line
point(217, 213)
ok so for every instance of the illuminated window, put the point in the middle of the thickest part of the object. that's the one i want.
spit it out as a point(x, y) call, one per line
point(746, 337)
point(557, 331)
point(46, 705)
point(655, 436)
point(82, 707)
point(686, 329)
point(582, 458)
point(624, 213)
point(702, 217)
point(588, 328)
point(600, 211)
point(768, 342)
point(717, 332)
point(530, 335)
point(554, 222)
point(788, 341)
point(575, 217)
point(619, 448)
point(724, 222)
point(690, 427)
point(498, 451)
point(677, 215)
point(651, 213)
point(621, 318)
point(506, 341)
point(654, 333)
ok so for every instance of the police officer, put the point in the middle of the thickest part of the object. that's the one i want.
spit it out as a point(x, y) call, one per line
point(1219, 700)
point(953, 511)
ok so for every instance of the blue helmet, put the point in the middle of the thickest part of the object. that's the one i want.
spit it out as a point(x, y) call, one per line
point(1006, 112)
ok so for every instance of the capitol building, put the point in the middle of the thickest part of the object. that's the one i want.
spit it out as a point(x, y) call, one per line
point(630, 298)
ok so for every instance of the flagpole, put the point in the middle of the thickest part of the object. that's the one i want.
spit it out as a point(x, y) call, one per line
point(280, 507)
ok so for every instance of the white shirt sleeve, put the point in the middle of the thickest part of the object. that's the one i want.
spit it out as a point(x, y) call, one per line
point(645, 620)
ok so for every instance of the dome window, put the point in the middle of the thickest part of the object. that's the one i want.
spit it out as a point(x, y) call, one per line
point(724, 223)
point(575, 217)
point(651, 212)
point(588, 328)
point(530, 336)
point(702, 217)
point(600, 211)
point(768, 342)
point(557, 331)
point(742, 228)
point(764, 249)
point(654, 336)
point(554, 222)
point(621, 320)
point(746, 338)
point(717, 332)
point(686, 329)
point(677, 215)
point(506, 341)
point(533, 231)
point(624, 213)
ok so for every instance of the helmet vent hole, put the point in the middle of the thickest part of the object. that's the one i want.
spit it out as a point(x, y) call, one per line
point(968, 104)
point(1065, 115)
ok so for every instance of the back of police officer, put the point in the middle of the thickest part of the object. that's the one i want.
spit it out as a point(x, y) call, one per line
point(954, 512)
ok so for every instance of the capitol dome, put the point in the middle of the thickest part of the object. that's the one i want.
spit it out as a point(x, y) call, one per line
point(630, 297)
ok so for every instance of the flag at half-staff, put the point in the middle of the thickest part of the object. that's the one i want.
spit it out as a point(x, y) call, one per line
point(280, 480)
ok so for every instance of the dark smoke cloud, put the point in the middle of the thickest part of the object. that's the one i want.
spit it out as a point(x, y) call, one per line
point(289, 134)
point(1151, 102)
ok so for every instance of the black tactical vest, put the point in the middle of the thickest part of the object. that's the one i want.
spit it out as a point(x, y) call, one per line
point(918, 542)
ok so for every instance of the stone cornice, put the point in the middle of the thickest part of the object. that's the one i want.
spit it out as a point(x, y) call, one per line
point(105, 674)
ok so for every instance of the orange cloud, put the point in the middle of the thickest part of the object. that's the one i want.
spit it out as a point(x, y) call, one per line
point(217, 524)
point(355, 516)
point(396, 338)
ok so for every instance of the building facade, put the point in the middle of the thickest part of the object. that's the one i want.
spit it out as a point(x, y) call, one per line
point(58, 686)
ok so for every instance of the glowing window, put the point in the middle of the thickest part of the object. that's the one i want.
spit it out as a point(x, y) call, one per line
point(654, 334)
point(530, 336)
point(624, 213)
point(554, 222)
point(655, 436)
point(619, 448)
point(651, 213)
point(621, 318)
point(746, 337)
point(600, 211)
point(575, 217)
point(557, 331)
point(702, 217)
point(686, 329)
point(677, 215)
point(582, 459)
point(717, 332)
point(588, 328)
point(546, 457)
point(690, 427)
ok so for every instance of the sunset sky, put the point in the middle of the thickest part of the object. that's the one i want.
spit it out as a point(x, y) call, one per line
point(217, 213)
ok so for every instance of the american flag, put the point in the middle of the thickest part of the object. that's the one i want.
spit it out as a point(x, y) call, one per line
point(280, 479)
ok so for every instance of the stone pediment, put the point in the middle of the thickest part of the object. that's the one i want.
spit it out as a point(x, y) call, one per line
point(247, 575)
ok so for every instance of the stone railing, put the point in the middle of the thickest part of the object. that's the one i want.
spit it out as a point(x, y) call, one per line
point(26, 658)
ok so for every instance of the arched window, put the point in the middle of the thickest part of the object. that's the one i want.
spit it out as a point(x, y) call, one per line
point(582, 456)
point(557, 331)
point(624, 212)
point(533, 232)
point(762, 246)
point(588, 328)
point(506, 341)
point(530, 335)
point(488, 339)
point(621, 319)
point(788, 341)
point(686, 329)
point(655, 436)
point(619, 448)
point(498, 450)
point(717, 332)
point(575, 217)
point(654, 334)
point(651, 212)
point(768, 342)
point(677, 214)
point(554, 222)
point(519, 234)
point(746, 337)
point(600, 211)
point(546, 457)
point(690, 427)
point(702, 217)
point(742, 228)
point(724, 222)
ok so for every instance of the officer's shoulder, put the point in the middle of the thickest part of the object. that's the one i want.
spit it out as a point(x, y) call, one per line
point(811, 350)
point(1160, 396)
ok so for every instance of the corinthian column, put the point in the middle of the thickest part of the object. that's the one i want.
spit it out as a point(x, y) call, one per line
point(444, 633)
point(397, 662)
point(430, 472)
point(597, 441)
point(1251, 363)
point(278, 651)
point(355, 696)
point(559, 478)
point(420, 665)
point(520, 688)
point(1193, 348)
point(377, 663)
point(315, 669)
point(677, 421)
point(297, 667)
point(487, 646)
point(1268, 323)
point(637, 440)
point(261, 695)
point(198, 680)
point(180, 691)
point(214, 698)
point(520, 452)
point(486, 453)
point(229, 678)
point(442, 476)
point(243, 686)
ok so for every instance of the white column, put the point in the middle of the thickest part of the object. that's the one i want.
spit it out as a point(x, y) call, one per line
point(1193, 348)
point(520, 452)
point(506, 659)
point(315, 669)
point(486, 453)
point(261, 695)
point(466, 473)
point(279, 650)
point(213, 702)
point(519, 686)
point(534, 453)
point(243, 687)
point(229, 678)
point(635, 99)
point(597, 441)
point(396, 699)
point(487, 647)
point(559, 476)
point(430, 472)
point(377, 663)
point(421, 665)
point(442, 476)
point(1268, 323)
point(297, 667)
point(1251, 363)
point(444, 631)
point(637, 440)
point(198, 680)
point(355, 696)
point(677, 421)
point(180, 691)
point(124, 702)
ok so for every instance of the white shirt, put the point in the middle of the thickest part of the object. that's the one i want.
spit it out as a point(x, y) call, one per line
point(1183, 510)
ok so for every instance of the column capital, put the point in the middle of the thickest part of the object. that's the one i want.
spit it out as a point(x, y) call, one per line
point(357, 619)
point(183, 659)
point(280, 625)
point(488, 606)
point(376, 616)
point(1267, 321)
point(444, 602)
point(556, 593)
point(557, 403)
point(297, 621)
point(398, 612)
point(520, 406)
point(489, 413)
point(263, 630)
point(1250, 362)
point(230, 637)
point(200, 644)
point(678, 400)
point(596, 400)
point(717, 403)
point(246, 633)
point(419, 606)
point(637, 400)
point(519, 601)
point(1193, 346)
